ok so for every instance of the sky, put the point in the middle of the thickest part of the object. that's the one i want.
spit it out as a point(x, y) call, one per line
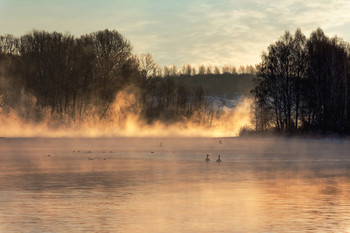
point(208, 32)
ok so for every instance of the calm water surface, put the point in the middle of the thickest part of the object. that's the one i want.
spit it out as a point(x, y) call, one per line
point(143, 185)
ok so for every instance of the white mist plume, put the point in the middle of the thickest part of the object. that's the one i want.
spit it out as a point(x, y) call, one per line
point(125, 121)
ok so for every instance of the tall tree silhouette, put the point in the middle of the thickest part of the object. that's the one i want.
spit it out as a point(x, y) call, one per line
point(304, 83)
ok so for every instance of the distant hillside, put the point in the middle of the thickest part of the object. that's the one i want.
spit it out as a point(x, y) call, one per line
point(223, 85)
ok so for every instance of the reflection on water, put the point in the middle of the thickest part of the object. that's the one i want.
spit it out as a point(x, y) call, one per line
point(165, 185)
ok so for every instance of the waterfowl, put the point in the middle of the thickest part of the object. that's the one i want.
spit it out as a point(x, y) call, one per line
point(207, 159)
point(218, 160)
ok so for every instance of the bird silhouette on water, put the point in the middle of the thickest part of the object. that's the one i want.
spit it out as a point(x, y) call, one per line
point(207, 159)
point(218, 160)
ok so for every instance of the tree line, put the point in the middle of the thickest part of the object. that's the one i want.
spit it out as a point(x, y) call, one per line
point(67, 76)
point(227, 81)
point(50, 73)
point(303, 84)
point(151, 69)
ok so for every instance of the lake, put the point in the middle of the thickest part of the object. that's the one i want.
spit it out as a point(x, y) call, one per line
point(165, 185)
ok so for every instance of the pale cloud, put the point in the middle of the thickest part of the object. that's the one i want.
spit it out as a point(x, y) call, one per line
point(237, 32)
point(215, 32)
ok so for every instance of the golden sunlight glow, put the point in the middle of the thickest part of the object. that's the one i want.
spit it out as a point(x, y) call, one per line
point(127, 123)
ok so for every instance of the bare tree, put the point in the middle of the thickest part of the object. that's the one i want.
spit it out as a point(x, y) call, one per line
point(148, 66)
point(173, 71)
point(209, 70)
point(241, 70)
point(216, 70)
point(166, 71)
point(9, 44)
point(201, 70)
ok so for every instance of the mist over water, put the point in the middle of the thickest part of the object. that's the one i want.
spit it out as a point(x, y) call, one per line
point(125, 120)
point(164, 185)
